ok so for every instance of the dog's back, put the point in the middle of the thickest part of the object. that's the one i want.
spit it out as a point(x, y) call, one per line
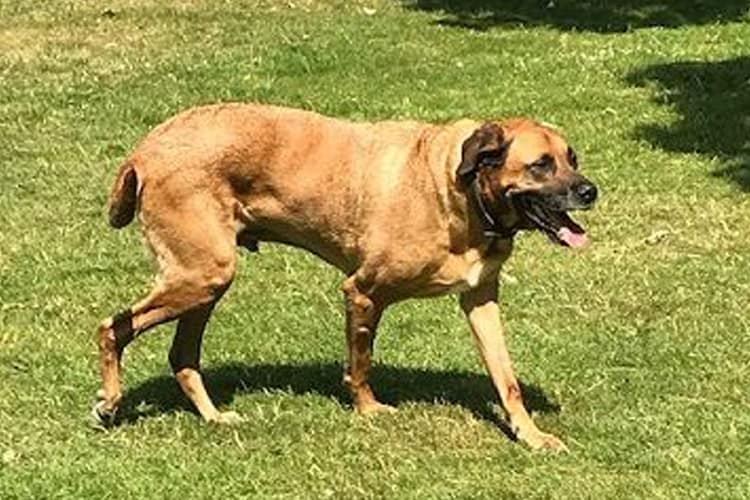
point(287, 175)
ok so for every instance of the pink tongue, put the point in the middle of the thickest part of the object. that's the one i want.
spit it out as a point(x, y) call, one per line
point(571, 238)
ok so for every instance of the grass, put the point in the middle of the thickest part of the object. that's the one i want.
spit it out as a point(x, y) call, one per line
point(636, 351)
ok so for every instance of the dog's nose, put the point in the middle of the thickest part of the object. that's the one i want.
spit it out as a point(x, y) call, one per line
point(586, 192)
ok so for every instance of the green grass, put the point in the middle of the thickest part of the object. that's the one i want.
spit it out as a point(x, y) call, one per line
point(636, 352)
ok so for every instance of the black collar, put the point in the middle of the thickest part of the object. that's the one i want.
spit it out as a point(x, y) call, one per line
point(492, 227)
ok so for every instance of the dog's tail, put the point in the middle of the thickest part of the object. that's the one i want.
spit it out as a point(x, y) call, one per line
point(123, 198)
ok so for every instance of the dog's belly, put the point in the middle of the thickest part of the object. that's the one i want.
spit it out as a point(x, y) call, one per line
point(325, 249)
point(337, 248)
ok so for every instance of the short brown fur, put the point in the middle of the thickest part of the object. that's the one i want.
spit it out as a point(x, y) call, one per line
point(380, 201)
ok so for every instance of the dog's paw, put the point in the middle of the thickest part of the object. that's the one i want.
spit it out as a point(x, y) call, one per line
point(544, 442)
point(227, 418)
point(101, 416)
point(374, 408)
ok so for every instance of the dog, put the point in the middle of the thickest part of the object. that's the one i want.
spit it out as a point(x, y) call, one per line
point(405, 209)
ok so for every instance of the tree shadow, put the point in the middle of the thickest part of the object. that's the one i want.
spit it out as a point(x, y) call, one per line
point(713, 100)
point(394, 385)
point(605, 16)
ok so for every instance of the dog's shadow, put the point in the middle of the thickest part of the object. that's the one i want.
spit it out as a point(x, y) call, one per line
point(394, 385)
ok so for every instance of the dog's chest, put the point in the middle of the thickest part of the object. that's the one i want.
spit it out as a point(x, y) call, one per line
point(476, 271)
point(465, 272)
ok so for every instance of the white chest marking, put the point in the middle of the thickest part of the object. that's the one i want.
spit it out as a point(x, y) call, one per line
point(471, 276)
point(474, 273)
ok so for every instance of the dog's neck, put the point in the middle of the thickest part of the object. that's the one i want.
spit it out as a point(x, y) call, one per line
point(482, 220)
point(493, 225)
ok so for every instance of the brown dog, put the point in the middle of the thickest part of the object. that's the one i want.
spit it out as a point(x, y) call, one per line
point(404, 209)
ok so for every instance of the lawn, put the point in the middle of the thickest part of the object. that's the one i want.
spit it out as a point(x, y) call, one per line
point(636, 351)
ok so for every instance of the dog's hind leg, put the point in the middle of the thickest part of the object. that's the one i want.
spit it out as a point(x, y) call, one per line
point(184, 357)
point(165, 303)
point(362, 318)
point(198, 267)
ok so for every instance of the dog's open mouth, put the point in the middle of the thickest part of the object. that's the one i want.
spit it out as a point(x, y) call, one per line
point(556, 224)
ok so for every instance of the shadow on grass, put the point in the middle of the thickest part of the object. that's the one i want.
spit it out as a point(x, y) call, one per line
point(586, 15)
point(713, 100)
point(393, 385)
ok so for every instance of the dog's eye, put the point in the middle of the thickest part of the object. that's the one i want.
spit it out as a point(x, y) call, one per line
point(572, 158)
point(543, 165)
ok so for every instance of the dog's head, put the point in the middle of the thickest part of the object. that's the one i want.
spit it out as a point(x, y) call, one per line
point(527, 176)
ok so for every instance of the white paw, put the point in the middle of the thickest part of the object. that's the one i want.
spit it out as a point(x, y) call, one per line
point(227, 418)
point(103, 416)
point(375, 408)
point(543, 441)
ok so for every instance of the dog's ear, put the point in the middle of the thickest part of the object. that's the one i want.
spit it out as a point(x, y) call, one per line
point(486, 147)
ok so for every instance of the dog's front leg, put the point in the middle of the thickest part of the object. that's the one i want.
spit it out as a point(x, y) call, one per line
point(362, 317)
point(481, 308)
